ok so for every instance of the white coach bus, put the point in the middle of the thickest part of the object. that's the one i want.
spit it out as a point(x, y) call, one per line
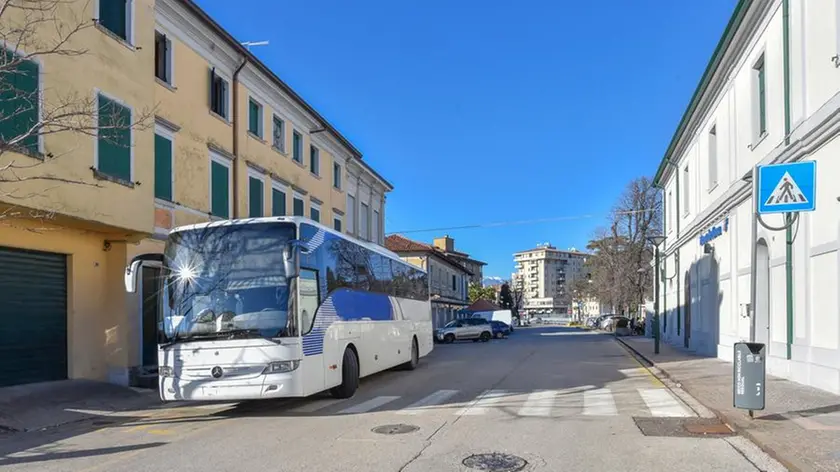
point(281, 307)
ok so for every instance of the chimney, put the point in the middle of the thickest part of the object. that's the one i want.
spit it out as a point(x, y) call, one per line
point(445, 244)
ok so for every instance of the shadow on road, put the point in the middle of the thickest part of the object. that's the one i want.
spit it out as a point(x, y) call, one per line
point(45, 455)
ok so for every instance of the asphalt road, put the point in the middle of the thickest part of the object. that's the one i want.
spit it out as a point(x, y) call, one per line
point(558, 398)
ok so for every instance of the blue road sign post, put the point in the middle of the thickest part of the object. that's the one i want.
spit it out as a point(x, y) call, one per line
point(787, 188)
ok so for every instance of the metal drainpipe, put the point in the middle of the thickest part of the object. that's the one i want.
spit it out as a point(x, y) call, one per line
point(235, 166)
point(789, 230)
point(676, 256)
point(664, 264)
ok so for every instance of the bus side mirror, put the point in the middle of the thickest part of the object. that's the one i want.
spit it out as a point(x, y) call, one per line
point(291, 253)
point(133, 268)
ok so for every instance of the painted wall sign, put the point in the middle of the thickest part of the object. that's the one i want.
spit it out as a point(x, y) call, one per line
point(714, 232)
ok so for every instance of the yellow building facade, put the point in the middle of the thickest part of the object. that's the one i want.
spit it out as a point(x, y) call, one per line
point(205, 131)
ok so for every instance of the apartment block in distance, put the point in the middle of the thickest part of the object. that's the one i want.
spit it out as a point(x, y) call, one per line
point(543, 275)
point(213, 134)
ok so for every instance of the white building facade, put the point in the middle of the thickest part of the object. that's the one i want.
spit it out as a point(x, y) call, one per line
point(769, 95)
point(543, 275)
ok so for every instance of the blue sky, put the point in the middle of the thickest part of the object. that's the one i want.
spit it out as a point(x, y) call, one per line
point(490, 111)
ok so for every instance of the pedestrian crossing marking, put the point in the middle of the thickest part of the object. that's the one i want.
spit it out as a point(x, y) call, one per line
point(786, 192)
point(482, 403)
point(369, 405)
point(315, 406)
point(662, 403)
point(599, 402)
point(434, 399)
point(539, 403)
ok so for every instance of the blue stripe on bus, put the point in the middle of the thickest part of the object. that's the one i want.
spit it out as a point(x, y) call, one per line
point(345, 305)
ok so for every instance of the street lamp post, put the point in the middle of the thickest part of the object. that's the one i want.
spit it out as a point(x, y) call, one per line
point(656, 241)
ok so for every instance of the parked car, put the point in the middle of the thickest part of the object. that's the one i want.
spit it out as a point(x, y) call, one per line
point(500, 329)
point(476, 329)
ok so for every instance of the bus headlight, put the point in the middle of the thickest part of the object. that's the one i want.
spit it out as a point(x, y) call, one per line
point(281, 367)
point(165, 371)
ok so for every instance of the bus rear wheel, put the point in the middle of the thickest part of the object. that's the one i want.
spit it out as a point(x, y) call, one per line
point(349, 376)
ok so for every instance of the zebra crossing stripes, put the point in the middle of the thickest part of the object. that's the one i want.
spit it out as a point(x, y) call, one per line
point(434, 399)
point(660, 402)
point(599, 402)
point(586, 401)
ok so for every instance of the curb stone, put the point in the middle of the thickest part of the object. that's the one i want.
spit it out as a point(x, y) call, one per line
point(729, 420)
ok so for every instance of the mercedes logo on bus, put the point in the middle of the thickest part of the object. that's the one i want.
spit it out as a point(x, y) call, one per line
point(217, 372)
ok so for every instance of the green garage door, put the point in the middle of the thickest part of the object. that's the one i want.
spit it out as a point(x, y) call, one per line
point(33, 316)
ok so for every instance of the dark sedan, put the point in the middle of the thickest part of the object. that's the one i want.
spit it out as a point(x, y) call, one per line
point(500, 329)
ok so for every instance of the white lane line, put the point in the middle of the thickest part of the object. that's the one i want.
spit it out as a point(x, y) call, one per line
point(539, 403)
point(482, 404)
point(371, 404)
point(313, 406)
point(599, 402)
point(434, 399)
point(662, 403)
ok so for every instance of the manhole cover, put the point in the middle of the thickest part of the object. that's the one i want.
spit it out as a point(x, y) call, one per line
point(395, 429)
point(495, 462)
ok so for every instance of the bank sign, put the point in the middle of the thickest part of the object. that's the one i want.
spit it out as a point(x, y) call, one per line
point(714, 232)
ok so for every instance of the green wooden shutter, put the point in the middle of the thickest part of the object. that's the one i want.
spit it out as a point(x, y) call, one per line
point(762, 104)
point(219, 195)
point(255, 198)
point(112, 15)
point(254, 117)
point(163, 168)
point(114, 138)
point(298, 207)
point(19, 103)
point(278, 203)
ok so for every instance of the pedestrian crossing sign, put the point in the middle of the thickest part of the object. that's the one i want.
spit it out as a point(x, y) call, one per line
point(787, 188)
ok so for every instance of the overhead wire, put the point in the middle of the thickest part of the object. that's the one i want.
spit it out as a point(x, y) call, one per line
point(515, 222)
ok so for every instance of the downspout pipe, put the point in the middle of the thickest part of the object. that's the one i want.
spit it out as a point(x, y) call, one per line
point(235, 166)
point(788, 216)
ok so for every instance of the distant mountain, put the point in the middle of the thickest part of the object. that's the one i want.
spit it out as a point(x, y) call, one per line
point(492, 280)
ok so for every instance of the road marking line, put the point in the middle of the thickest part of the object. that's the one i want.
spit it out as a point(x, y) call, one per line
point(313, 406)
point(599, 402)
point(371, 404)
point(434, 399)
point(662, 403)
point(482, 403)
point(539, 403)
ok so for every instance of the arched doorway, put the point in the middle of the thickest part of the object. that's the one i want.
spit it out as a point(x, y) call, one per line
point(762, 293)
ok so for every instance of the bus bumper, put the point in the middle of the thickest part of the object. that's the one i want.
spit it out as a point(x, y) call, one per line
point(263, 386)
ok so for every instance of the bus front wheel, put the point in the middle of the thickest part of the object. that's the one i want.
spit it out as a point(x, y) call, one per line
point(349, 376)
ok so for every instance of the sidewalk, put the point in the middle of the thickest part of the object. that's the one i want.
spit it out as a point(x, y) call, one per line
point(800, 426)
point(44, 405)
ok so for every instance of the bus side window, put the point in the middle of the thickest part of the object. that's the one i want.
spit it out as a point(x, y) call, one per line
point(307, 298)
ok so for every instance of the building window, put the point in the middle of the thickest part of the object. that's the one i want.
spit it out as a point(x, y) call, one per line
point(337, 223)
point(351, 213)
point(314, 160)
point(363, 221)
point(454, 284)
point(278, 200)
point(670, 210)
point(336, 175)
point(686, 198)
point(255, 196)
point(375, 228)
point(20, 103)
point(219, 186)
point(297, 147)
point(279, 135)
point(759, 72)
point(163, 57)
point(314, 211)
point(255, 118)
point(114, 139)
point(115, 16)
point(713, 157)
point(218, 94)
point(163, 166)
point(297, 205)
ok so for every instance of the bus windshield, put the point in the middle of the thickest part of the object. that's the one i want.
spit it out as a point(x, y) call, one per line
point(228, 282)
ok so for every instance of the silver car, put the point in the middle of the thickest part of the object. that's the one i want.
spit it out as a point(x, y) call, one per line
point(477, 329)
